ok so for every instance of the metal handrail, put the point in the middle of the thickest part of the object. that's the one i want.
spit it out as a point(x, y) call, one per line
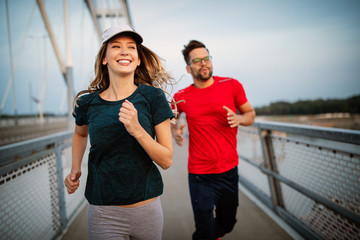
point(21, 153)
point(335, 134)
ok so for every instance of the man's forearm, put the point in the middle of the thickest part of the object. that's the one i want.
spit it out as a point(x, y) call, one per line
point(247, 118)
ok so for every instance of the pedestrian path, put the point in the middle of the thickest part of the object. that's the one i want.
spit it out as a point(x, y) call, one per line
point(252, 223)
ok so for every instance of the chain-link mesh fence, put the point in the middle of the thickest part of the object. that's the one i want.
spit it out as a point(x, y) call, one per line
point(34, 204)
point(325, 168)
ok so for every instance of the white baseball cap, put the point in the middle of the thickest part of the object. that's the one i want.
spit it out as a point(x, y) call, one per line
point(118, 29)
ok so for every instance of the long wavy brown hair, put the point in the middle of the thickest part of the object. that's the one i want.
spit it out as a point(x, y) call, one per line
point(150, 72)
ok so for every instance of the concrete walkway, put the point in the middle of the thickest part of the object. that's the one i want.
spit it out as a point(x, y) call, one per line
point(252, 223)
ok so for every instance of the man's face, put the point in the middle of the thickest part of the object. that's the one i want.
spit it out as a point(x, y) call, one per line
point(200, 70)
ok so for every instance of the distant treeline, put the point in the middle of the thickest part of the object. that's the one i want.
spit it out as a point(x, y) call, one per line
point(349, 105)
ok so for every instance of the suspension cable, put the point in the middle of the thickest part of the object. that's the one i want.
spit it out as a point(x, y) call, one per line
point(11, 59)
point(17, 59)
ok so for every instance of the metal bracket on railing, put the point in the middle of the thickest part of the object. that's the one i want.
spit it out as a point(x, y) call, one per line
point(263, 167)
point(269, 164)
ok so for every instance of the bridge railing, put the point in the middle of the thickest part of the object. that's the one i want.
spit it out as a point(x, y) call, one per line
point(309, 176)
point(34, 203)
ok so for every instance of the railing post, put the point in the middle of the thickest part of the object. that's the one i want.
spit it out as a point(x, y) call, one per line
point(270, 164)
point(60, 183)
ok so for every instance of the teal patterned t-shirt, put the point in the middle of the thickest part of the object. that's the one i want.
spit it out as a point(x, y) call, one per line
point(120, 172)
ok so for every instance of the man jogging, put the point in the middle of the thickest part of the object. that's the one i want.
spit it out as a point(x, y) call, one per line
point(214, 108)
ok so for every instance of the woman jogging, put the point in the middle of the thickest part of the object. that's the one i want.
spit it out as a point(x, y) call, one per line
point(127, 117)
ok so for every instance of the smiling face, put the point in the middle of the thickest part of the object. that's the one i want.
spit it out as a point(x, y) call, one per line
point(121, 56)
point(201, 70)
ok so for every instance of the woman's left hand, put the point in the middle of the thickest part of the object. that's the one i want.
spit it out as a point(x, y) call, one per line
point(129, 117)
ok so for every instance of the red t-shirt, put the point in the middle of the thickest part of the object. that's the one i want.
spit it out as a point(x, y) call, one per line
point(212, 143)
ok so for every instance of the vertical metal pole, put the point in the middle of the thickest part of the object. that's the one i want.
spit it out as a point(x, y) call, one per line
point(44, 86)
point(11, 62)
point(68, 61)
point(69, 69)
point(60, 183)
point(70, 94)
point(269, 156)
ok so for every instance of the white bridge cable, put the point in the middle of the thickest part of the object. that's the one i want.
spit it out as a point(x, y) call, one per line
point(82, 37)
point(11, 79)
point(11, 57)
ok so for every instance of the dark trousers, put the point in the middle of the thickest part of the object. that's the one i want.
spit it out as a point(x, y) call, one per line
point(214, 191)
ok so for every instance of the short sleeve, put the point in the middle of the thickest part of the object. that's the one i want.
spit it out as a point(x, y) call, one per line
point(81, 110)
point(161, 107)
point(239, 93)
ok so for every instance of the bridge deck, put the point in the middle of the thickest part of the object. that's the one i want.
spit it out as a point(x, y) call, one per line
point(252, 223)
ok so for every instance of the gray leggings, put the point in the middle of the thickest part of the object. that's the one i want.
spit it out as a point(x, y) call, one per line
point(113, 222)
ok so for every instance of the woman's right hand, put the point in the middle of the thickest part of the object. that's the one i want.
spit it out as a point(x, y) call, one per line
point(72, 181)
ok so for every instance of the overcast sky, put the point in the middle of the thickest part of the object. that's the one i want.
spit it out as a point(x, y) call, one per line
point(278, 49)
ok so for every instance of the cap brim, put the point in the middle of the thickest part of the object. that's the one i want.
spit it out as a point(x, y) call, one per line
point(134, 35)
point(120, 30)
